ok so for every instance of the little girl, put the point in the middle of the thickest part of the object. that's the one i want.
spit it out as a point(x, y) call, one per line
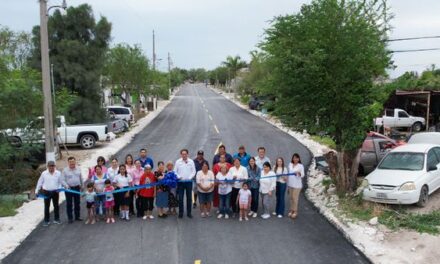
point(109, 201)
point(244, 201)
point(90, 196)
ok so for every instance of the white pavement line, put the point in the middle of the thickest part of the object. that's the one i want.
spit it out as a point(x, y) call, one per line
point(216, 149)
point(206, 110)
point(216, 129)
point(210, 117)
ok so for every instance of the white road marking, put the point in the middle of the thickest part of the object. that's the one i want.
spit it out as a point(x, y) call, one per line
point(216, 129)
point(210, 117)
point(216, 150)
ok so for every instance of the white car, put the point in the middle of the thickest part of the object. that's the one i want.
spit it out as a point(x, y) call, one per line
point(406, 175)
point(400, 118)
point(121, 112)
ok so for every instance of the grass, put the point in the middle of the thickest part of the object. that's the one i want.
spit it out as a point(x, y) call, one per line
point(324, 140)
point(245, 99)
point(326, 182)
point(8, 205)
point(391, 216)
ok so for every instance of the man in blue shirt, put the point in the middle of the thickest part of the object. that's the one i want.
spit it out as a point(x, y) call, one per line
point(144, 159)
point(242, 156)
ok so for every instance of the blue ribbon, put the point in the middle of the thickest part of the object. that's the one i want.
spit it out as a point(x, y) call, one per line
point(163, 182)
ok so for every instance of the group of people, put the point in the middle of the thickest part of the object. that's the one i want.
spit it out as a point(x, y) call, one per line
point(234, 185)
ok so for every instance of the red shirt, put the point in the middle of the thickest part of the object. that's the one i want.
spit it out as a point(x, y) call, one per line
point(146, 179)
point(216, 168)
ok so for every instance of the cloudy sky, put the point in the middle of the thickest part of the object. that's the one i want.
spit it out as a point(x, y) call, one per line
point(201, 33)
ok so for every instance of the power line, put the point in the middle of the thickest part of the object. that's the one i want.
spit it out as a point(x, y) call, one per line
point(413, 50)
point(414, 38)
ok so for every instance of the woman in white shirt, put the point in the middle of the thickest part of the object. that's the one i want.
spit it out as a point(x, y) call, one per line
point(224, 190)
point(123, 180)
point(294, 184)
point(267, 187)
point(240, 174)
point(205, 187)
point(281, 187)
point(112, 172)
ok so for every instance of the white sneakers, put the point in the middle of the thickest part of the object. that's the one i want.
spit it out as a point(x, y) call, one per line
point(226, 216)
point(274, 213)
point(265, 216)
point(220, 216)
point(280, 216)
point(254, 215)
point(148, 217)
point(250, 213)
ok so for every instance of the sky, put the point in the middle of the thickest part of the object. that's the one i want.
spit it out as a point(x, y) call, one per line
point(202, 33)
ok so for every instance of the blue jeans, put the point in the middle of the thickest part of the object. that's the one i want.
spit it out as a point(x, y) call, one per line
point(280, 195)
point(254, 202)
point(225, 201)
point(183, 187)
point(100, 209)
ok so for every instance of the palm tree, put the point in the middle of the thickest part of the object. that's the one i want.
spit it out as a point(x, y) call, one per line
point(234, 64)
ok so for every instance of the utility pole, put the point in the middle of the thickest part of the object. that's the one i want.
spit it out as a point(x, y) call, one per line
point(45, 73)
point(154, 52)
point(169, 72)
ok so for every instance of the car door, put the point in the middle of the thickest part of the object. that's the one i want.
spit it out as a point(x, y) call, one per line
point(437, 177)
point(403, 119)
point(432, 178)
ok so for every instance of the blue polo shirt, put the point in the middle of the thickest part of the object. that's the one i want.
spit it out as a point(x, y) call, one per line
point(146, 161)
point(244, 160)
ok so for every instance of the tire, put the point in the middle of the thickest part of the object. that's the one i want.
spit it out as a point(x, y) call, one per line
point(87, 141)
point(126, 126)
point(361, 171)
point(417, 127)
point(423, 198)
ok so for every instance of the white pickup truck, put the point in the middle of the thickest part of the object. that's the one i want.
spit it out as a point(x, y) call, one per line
point(84, 135)
point(400, 118)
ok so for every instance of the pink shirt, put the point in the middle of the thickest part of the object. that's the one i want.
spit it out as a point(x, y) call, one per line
point(92, 171)
point(136, 175)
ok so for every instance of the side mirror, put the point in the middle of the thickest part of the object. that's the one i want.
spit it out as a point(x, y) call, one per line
point(433, 168)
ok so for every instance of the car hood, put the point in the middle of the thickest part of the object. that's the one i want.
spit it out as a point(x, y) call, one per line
point(393, 177)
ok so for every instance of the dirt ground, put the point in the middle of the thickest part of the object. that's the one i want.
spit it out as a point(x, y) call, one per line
point(433, 204)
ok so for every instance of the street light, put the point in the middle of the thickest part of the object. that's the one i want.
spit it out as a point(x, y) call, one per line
point(45, 73)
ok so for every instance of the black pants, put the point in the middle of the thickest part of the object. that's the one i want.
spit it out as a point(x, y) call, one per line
point(147, 203)
point(234, 196)
point(131, 205)
point(73, 203)
point(182, 188)
point(117, 203)
point(139, 211)
point(54, 197)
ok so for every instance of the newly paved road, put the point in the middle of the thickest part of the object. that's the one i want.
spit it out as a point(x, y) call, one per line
point(196, 119)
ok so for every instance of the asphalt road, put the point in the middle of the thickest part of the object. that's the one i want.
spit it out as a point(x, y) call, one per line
point(197, 118)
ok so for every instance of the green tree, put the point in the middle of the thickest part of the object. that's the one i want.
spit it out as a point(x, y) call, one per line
point(323, 62)
point(127, 69)
point(219, 76)
point(254, 82)
point(78, 44)
point(234, 64)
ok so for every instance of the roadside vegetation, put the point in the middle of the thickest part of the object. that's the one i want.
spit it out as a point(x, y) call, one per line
point(9, 204)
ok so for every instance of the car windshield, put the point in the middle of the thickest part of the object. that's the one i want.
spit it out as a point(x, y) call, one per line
point(403, 161)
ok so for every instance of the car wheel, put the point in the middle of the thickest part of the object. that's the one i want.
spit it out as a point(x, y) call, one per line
point(126, 126)
point(87, 141)
point(417, 127)
point(423, 199)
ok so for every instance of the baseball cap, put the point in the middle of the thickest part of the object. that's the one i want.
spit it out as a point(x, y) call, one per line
point(51, 163)
point(200, 152)
point(148, 166)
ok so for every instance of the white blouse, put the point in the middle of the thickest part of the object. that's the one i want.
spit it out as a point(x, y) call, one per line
point(295, 181)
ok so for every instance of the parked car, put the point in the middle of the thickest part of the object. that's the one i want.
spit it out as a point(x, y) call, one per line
point(121, 112)
point(260, 102)
point(116, 125)
point(400, 118)
point(84, 135)
point(321, 164)
point(406, 175)
point(374, 148)
point(425, 138)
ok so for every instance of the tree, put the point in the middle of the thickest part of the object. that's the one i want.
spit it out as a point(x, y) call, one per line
point(127, 69)
point(219, 76)
point(323, 62)
point(234, 64)
point(198, 75)
point(255, 81)
point(78, 45)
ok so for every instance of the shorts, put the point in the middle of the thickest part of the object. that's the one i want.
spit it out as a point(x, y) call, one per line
point(109, 204)
point(123, 201)
point(205, 197)
point(90, 205)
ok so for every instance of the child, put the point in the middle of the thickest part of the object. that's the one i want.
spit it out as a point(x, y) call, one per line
point(244, 201)
point(90, 196)
point(146, 195)
point(224, 191)
point(109, 201)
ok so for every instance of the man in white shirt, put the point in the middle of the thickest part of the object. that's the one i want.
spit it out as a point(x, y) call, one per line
point(185, 170)
point(73, 179)
point(261, 158)
point(48, 184)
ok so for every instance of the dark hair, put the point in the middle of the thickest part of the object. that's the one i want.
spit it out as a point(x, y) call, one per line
point(182, 150)
point(71, 158)
point(237, 159)
point(119, 171)
point(98, 166)
point(245, 183)
point(107, 181)
point(275, 168)
point(205, 163)
point(160, 163)
point(143, 149)
point(100, 158)
point(255, 165)
point(241, 147)
point(127, 156)
point(222, 146)
point(296, 155)
point(261, 148)
point(267, 164)
point(114, 158)
point(90, 185)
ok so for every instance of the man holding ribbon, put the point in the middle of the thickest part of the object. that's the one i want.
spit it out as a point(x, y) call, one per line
point(73, 180)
